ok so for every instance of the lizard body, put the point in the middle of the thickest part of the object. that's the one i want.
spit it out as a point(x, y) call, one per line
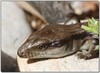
point(53, 41)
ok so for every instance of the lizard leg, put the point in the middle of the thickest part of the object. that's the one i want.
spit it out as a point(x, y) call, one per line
point(87, 50)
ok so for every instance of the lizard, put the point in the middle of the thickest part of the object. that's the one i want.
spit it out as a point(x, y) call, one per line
point(55, 41)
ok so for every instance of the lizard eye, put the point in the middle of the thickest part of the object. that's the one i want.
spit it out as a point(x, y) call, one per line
point(42, 47)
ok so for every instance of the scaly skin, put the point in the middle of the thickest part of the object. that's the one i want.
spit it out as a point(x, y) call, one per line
point(53, 41)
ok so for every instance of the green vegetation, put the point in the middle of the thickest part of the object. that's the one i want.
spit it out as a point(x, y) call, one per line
point(93, 26)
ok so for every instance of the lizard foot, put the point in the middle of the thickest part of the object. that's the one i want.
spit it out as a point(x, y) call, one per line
point(83, 55)
point(88, 50)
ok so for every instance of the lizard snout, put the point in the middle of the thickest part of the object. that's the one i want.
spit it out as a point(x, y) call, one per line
point(23, 50)
point(21, 53)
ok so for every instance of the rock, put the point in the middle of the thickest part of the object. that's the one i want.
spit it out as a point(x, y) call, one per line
point(68, 64)
point(15, 30)
point(53, 11)
point(5, 67)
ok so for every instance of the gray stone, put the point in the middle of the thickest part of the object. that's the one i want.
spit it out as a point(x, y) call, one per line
point(53, 11)
point(15, 30)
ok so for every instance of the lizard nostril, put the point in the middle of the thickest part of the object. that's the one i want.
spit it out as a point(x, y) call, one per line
point(20, 53)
